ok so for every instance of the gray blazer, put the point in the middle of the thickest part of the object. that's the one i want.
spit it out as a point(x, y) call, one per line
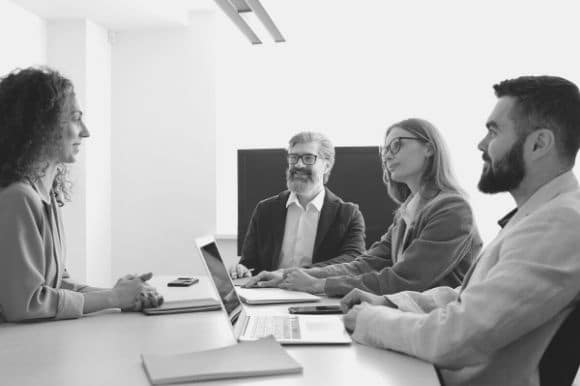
point(438, 250)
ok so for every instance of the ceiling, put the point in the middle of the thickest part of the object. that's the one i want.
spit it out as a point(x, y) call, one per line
point(119, 14)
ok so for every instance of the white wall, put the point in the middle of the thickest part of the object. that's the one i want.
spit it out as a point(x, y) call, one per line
point(80, 50)
point(22, 38)
point(163, 146)
point(351, 70)
point(98, 155)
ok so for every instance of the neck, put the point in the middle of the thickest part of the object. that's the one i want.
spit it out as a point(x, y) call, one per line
point(414, 184)
point(531, 184)
point(304, 199)
point(47, 179)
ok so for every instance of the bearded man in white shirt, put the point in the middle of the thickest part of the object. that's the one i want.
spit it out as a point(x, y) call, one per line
point(495, 328)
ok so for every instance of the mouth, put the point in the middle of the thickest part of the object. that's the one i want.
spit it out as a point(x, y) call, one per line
point(392, 166)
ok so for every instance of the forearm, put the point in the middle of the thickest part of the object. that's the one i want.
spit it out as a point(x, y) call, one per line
point(99, 300)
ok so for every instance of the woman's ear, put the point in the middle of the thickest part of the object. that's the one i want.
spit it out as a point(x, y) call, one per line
point(429, 151)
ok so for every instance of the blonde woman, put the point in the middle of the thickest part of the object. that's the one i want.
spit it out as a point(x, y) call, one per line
point(433, 238)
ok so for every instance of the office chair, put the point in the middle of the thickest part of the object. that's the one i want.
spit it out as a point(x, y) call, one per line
point(560, 361)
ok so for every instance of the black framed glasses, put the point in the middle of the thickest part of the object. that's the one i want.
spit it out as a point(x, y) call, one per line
point(307, 159)
point(395, 146)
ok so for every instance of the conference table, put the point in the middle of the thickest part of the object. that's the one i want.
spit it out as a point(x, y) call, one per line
point(105, 348)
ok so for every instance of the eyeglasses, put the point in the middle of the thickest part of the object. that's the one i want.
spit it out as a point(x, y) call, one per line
point(396, 144)
point(307, 159)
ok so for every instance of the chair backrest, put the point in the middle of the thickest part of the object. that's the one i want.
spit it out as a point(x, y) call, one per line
point(560, 361)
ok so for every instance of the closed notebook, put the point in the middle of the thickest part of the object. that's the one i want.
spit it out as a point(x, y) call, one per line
point(246, 359)
point(178, 306)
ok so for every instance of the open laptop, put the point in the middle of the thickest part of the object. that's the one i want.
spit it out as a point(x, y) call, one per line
point(287, 329)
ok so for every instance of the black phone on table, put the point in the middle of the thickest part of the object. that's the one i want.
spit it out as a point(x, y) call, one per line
point(315, 310)
point(183, 282)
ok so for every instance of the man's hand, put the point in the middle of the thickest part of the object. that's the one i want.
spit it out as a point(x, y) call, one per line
point(265, 279)
point(299, 280)
point(350, 318)
point(239, 271)
point(357, 296)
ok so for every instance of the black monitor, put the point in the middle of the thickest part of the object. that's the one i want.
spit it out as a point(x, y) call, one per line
point(356, 177)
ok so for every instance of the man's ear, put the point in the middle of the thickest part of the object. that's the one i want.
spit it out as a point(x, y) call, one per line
point(543, 141)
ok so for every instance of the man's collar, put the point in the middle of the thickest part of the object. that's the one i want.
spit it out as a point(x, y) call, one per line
point(504, 220)
point(564, 183)
point(317, 201)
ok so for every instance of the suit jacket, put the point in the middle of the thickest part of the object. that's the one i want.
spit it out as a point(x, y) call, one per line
point(340, 232)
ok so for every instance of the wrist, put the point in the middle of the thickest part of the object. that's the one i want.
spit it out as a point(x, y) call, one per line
point(319, 285)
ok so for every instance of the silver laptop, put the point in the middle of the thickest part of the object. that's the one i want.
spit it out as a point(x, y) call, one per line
point(287, 329)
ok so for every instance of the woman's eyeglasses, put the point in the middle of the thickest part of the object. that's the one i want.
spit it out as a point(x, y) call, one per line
point(395, 146)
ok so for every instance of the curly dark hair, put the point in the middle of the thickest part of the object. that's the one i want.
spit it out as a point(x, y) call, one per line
point(31, 104)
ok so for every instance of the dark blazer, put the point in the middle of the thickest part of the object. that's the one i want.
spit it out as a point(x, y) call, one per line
point(341, 231)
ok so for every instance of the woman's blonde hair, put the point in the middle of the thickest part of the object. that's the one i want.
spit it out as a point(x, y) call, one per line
point(438, 175)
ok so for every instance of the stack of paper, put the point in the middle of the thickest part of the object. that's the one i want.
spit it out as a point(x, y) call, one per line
point(247, 359)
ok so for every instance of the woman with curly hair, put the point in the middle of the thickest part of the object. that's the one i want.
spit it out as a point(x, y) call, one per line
point(41, 130)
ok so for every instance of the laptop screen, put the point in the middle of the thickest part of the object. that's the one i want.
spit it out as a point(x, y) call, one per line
point(222, 280)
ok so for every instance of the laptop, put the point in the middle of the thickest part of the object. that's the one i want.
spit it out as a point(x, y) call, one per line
point(287, 329)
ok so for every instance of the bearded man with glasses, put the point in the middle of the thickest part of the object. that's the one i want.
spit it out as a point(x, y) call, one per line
point(306, 224)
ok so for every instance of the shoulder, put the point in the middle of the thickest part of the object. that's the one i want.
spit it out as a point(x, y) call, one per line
point(273, 201)
point(563, 209)
point(19, 195)
point(453, 206)
point(333, 199)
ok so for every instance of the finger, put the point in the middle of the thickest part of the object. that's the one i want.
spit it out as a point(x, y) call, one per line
point(348, 301)
point(268, 283)
point(252, 282)
point(241, 270)
point(146, 276)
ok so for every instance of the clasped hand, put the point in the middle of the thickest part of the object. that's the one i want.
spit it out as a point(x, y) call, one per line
point(133, 293)
point(353, 302)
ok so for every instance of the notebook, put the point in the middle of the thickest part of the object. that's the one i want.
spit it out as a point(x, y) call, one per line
point(287, 329)
point(179, 306)
point(247, 359)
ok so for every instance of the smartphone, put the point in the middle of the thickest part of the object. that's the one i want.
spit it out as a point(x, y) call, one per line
point(183, 282)
point(315, 310)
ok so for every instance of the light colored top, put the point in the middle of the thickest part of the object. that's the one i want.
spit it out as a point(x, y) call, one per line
point(494, 330)
point(300, 231)
point(407, 211)
point(33, 280)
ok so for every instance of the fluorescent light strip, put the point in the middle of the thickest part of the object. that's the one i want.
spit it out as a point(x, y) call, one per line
point(261, 13)
point(229, 10)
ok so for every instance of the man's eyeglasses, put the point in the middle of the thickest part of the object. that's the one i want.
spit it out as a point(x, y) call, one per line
point(396, 144)
point(307, 159)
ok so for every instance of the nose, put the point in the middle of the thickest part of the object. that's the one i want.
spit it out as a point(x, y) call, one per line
point(84, 131)
point(299, 163)
point(482, 145)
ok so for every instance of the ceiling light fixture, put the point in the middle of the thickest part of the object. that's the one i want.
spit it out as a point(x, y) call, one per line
point(233, 9)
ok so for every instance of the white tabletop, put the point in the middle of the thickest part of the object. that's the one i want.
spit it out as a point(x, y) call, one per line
point(104, 349)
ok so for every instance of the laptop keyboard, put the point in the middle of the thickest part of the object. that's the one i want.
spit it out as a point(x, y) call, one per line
point(282, 327)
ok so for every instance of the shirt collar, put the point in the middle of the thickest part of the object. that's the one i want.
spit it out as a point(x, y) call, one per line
point(316, 202)
point(41, 190)
point(564, 183)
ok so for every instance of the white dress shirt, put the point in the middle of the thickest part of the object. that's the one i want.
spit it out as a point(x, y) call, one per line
point(495, 329)
point(300, 231)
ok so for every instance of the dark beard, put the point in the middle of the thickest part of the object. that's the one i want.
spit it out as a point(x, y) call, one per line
point(508, 172)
